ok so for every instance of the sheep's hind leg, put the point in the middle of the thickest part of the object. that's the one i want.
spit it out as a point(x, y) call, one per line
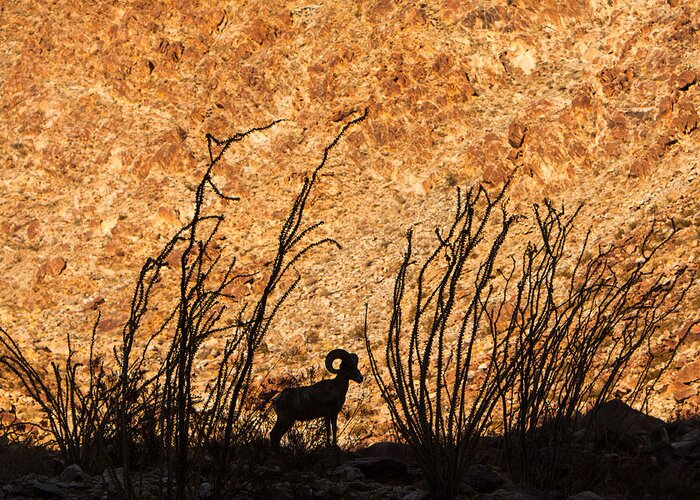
point(334, 426)
point(280, 429)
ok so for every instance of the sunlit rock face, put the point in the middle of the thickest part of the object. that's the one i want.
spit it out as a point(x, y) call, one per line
point(104, 111)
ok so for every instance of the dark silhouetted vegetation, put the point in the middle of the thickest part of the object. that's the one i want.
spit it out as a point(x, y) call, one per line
point(519, 347)
point(146, 409)
point(511, 352)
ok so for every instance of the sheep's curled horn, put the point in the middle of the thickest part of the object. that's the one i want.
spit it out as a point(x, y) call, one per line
point(338, 354)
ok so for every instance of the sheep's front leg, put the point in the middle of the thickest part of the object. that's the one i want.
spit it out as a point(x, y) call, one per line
point(328, 431)
point(280, 429)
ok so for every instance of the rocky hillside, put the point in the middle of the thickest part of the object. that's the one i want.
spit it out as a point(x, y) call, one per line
point(104, 111)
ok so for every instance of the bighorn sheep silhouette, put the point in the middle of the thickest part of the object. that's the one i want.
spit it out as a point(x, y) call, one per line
point(323, 399)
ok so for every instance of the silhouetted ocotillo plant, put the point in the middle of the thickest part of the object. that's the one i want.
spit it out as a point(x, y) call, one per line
point(234, 375)
point(428, 354)
point(148, 403)
point(560, 333)
point(568, 338)
point(201, 306)
point(77, 410)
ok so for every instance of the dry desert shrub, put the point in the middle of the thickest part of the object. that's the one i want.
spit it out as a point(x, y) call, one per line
point(145, 406)
point(519, 346)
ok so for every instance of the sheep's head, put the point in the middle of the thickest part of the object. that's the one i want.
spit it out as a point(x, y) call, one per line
point(348, 364)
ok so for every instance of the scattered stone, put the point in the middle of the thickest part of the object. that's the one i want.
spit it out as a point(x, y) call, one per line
point(94, 305)
point(683, 448)
point(169, 216)
point(482, 478)
point(206, 490)
point(686, 79)
point(284, 491)
point(36, 485)
point(110, 476)
point(681, 392)
point(665, 107)
point(71, 473)
point(687, 120)
point(51, 268)
point(516, 134)
point(348, 473)
point(417, 495)
point(107, 324)
point(689, 373)
point(517, 492)
point(585, 495)
point(616, 80)
point(688, 445)
point(34, 230)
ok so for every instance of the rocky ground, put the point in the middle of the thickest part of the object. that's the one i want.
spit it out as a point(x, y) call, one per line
point(628, 455)
point(104, 111)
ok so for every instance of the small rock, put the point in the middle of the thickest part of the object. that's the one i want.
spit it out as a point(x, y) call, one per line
point(93, 305)
point(585, 495)
point(683, 448)
point(109, 477)
point(206, 490)
point(35, 485)
point(689, 373)
point(665, 107)
point(348, 473)
point(34, 230)
point(284, 491)
point(169, 216)
point(681, 392)
point(686, 79)
point(417, 495)
point(516, 134)
point(51, 268)
point(482, 478)
point(338, 490)
point(687, 444)
point(687, 119)
point(71, 473)
point(107, 324)
point(517, 492)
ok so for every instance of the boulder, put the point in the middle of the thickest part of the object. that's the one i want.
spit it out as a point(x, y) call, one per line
point(381, 468)
point(71, 473)
point(615, 423)
point(688, 446)
point(399, 451)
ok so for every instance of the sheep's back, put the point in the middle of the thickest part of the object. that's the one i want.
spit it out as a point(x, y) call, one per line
point(306, 403)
